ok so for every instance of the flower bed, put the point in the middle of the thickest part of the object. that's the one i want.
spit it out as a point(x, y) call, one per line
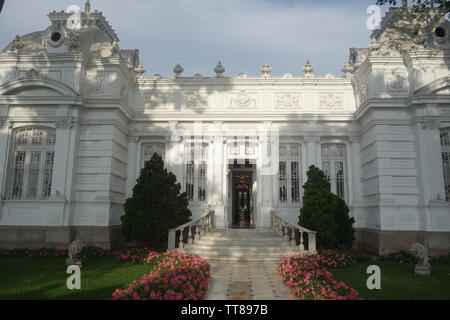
point(309, 279)
point(176, 276)
point(135, 255)
point(404, 256)
point(88, 252)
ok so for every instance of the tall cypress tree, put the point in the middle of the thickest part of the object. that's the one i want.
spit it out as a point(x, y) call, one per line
point(156, 206)
point(325, 212)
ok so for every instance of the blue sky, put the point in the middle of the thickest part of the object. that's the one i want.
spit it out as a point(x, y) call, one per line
point(241, 33)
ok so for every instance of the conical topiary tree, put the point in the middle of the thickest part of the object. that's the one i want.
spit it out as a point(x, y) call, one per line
point(325, 212)
point(156, 206)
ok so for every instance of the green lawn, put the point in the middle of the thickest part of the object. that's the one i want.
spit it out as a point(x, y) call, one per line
point(45, 278)
point(398, 281)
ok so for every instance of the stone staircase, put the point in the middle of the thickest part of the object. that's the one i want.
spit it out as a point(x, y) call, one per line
point(241, 245)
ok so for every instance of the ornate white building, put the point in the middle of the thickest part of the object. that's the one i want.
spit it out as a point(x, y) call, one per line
point(78, 121)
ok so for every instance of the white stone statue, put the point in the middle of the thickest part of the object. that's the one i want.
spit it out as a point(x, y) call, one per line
point(421, 252)
point(75, 249)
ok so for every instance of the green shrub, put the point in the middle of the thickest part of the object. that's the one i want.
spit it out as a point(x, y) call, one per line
point(156, 206)
point(325, 212)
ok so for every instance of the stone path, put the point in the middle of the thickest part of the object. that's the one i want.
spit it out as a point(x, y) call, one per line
point(246, 280)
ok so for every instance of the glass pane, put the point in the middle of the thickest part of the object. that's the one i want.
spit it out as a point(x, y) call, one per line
point(340, 179)
point(283, 181)
point(19, 165)
point(33, 174)
point(48, 173)
point(202, 182)
point(190, 180)
point(295, 182)
point(446, 165)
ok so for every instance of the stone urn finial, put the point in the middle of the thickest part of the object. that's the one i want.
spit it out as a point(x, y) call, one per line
point(347, 69)
point(266, 69)
point(178, 70)
point(308, 69)
point(219, 70)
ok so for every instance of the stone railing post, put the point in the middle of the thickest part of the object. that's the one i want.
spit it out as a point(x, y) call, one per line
point(312, 242)
point(171, 242)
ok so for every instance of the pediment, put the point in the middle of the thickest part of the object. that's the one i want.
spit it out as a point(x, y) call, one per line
point(36, 87)
point(34, 92)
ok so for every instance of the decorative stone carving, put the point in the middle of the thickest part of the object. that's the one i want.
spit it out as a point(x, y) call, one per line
point(243, 100)
point(156, 101)
point(219, 70)
point(178, 70)
point(420, 251)
point(198, 76)
point(32, 74)
point(308, 70)
point(428, 123)
point(197, 102)
point(75, 249)
point(95, 83)
point(115, 48)
point(363, 92)
point(64, 123)
point(266, 70)
point(330, 101)
point(5, 123)
point(396, 80)
point(287, 101)
point(72, 41)
point(374, 46)
point(16, 45)
point(242, 75)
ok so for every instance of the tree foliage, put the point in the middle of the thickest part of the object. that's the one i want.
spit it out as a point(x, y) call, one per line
point(325, 212)
point(420, 5)
point(156, 206)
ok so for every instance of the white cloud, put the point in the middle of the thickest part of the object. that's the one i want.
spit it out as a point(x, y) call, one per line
point(241, 33)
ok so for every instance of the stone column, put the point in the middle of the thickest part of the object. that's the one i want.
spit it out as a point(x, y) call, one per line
point(131, 165)
point(5, 129)
point(311, 151)
point(354, 167)
point(264, 162)
point(430, 172)
point(219, 167)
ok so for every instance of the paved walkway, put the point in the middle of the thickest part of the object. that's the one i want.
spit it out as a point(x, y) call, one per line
point(242, 280)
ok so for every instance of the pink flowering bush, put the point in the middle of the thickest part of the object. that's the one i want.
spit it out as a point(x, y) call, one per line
point(309, 279)
point(177, 276)
point(335, 259)
point(135, 255)
point(406, 257)
point(88, 252)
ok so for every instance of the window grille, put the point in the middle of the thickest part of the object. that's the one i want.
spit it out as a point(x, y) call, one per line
point(445, 144)
point(333, 166)
point(289, 173)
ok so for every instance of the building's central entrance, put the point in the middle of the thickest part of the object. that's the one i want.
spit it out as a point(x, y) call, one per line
point(242, 199)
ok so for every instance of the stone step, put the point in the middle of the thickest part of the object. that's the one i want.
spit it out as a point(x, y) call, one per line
point(240, 254)
point(244, 248)
point(220, 242)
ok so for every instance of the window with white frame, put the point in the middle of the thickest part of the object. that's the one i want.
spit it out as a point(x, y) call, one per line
point(30, 166)
point(196, 169)
point(149, 149)
point(289, 173)
point(333, 165)
point(445, 143)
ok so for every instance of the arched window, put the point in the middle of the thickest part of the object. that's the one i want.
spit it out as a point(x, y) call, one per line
point(31, 163)
point(289, 173)
point(333, 165)
point(445, 143)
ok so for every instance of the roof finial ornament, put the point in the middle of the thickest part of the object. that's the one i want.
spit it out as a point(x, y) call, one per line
point(140, 70)
point(347, 69)
point(266, 69)
point(308, 69)
point(87, 7)
point(219, 70)
point(178, 70)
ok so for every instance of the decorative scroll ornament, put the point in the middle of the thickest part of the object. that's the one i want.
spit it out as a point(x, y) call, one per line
point(308, 69)
point(5, 122)
point(396, 79)
point(115, 47)
point(178, 70)
point(374, 46)
point(266, 70)
point(72, 41)
point(429, 123)
point(287, 101)
point(347, 69)
point(243, 100)
point(219, 70)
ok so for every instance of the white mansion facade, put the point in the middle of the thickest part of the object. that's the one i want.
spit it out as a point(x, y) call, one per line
point(78, 121)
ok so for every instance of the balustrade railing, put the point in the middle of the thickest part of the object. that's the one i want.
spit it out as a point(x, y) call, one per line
point(195, 230)
point(293, 235)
